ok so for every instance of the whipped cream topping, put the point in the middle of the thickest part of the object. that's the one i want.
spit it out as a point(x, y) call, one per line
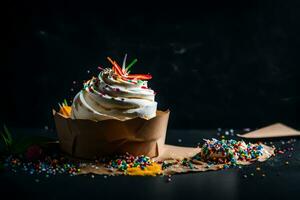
point(109, 96)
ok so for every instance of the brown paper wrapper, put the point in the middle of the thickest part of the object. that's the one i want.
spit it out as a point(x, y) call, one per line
point(90, 139)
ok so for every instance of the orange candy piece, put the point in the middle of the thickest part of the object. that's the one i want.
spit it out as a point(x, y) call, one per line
point(65, 110)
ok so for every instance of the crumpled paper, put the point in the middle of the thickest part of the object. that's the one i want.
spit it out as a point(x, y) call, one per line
point(174, 156)
point(272, 131)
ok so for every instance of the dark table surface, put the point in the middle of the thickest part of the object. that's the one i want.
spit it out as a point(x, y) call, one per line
point(281, 180)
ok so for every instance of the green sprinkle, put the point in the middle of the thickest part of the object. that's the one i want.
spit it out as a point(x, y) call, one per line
point(130, 65)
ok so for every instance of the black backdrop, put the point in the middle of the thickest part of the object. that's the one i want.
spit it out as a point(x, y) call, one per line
point(215, 64)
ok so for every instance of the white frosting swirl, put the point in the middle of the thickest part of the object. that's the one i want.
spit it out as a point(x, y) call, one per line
point(110, 97)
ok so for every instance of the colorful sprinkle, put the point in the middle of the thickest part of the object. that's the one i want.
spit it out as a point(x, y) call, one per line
point(230, 151)
point(45, 166)
point(135, 165)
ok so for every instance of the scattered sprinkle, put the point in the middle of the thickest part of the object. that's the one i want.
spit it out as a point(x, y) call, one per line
point(133, 165)
point(230, 151)
point(44, 166)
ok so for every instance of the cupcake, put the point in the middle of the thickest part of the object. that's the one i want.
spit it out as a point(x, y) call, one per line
point(114, 113)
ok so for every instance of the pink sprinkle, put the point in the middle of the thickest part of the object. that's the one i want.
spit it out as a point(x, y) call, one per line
point(100, 68)
point(280, 152)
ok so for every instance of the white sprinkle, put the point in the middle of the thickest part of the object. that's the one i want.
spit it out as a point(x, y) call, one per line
point(179, 140)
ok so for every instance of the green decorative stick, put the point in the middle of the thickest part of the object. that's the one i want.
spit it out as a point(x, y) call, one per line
point(130, 65)
point(8, 135)
point(65, 102)
point(4, 139)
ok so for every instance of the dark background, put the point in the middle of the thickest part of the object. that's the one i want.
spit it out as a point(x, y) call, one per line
point(215, 64)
